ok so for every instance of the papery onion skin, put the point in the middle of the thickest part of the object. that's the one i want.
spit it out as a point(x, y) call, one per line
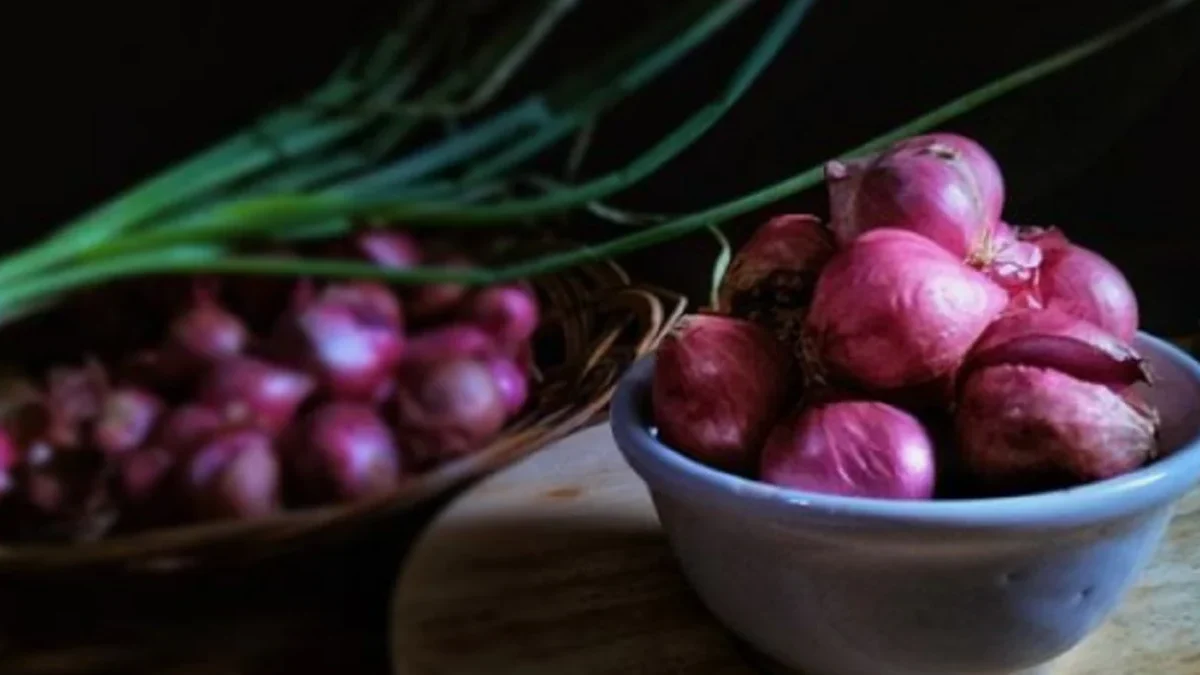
point(853, 449)
point(343, 452)
point(771, 278)
point(1020, 425)
point(795, 246)
point(895, 315)
point(1082, 282)
point(1051, 338)
point(719, 384)
point(943, 186)
point(1014, 264)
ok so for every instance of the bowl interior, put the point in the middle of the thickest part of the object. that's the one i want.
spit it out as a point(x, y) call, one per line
point(1176, 395)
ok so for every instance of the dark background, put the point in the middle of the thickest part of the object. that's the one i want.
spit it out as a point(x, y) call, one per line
point(104, 93)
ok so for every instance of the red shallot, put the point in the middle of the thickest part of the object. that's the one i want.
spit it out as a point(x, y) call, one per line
point(771, 278)
point(204, 334)
point(943, 186)
point(447, 409)
point(508, 313)
point(255, 392)
point(894, 314)
point(350, 338)
point(854, 449)
point(233, 475)
point(1083, 283)
point(1048, 397)
point(1020, 426)
point(719, 384)
point(511, 381)
point(343, 452)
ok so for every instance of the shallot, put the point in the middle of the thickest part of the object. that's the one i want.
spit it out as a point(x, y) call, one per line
point(895, 314)
point(508, 313)
point(1083, 283)
point(343, 452)
point(1047, 396)
point(511, 381)
point(350, 338)
point(851, 448)
point(719, 384)
point(447, 409)
point(255, 392)
point(204, 334)
point(943, 186)
point(1020, 426)
point(234, 475)
point(771, 278)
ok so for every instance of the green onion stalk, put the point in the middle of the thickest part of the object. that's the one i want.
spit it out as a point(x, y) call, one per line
point(345, 154)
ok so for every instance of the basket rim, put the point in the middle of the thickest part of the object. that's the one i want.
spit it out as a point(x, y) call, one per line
point(157, 548)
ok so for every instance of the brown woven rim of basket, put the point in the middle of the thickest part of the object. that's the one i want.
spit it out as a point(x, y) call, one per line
point(593, 316)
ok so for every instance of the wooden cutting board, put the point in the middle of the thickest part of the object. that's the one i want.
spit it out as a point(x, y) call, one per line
point(557, 566)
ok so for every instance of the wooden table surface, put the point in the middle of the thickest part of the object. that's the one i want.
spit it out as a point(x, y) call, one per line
point(557, 565)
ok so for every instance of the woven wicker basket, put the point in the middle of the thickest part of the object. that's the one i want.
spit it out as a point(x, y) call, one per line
point(595, 322)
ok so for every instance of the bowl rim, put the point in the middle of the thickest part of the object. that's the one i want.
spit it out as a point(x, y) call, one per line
point(667, 470)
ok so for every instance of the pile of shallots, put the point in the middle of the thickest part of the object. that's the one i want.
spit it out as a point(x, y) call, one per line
point(257, 394)
point(918, 346)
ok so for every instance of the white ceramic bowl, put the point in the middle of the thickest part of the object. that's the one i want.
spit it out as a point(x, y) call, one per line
point(850, 586)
